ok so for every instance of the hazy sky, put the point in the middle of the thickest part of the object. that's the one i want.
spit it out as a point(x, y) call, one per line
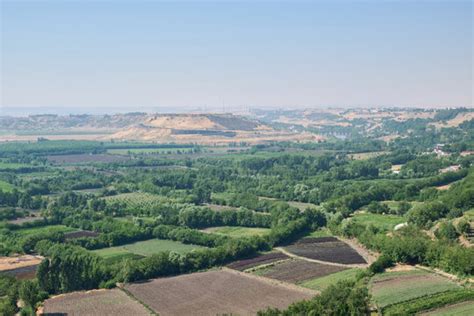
point(142, 54)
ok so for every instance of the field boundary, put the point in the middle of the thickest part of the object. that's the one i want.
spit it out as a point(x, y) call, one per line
point(148, 308)
point(287, 285)
point(289, 254)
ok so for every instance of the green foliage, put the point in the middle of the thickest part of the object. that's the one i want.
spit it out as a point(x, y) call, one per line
point(382, 262)
point(341, 299)
point(429, 302)
point(424, 215)
point(446, 231)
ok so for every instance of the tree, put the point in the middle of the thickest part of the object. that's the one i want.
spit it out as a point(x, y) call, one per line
point(29, 292)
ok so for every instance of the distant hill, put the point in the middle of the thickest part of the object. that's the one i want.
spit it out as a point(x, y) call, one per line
point(181, 128)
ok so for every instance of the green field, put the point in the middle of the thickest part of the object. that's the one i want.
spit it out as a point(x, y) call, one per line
point(394, 287)
point(460, 309)
point(5, 186)
point(237, 231)
point(138, 200)
point(44, 229)
point(384, 222)
point(323, 283)
point(12, 165)
point(145, 248)
point(323, 232)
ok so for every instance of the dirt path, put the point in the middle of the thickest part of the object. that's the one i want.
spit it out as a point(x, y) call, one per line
point(450, 276)
point(292, 255)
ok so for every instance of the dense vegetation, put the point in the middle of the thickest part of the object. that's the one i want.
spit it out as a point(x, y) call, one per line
point(154, 197)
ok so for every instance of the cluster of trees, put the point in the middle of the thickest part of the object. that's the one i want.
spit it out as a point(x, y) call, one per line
point(342, 298)
point(204, 217)
point(412, 246)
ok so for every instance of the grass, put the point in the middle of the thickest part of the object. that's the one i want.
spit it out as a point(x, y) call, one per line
point(323, 283)
point(237, 231)
point(44, 229)
point(437, 304)
point(384, 222)
point(323, 232)
point(5, 186)
point(396, 287)
point(460, 309)
point(145, 248)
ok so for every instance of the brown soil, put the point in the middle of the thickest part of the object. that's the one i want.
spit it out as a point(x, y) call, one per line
point(245, 264)
point(12, 263)
point(213, 292)
point(295, 271)
point(326, 249)
point(96, 302)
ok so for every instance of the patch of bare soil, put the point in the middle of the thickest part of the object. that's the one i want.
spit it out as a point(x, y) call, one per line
point(96, 302)
point(295, 270)
point(214, 292)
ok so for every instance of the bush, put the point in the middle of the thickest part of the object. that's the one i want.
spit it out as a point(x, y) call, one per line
point(381, 264)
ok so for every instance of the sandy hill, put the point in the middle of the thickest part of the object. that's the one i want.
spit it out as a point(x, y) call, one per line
point(206, 129)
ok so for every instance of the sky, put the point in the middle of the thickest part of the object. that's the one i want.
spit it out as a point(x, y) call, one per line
point(87, 55)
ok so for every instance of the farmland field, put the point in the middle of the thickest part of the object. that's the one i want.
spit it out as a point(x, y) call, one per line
point(459, 309)
point(86, 158)
point(384, 222)
point(394, 287)
point(236, 231)
point(145, 248)
point(13, 166)
point(214, 292)
point(322, 283)
point(42, 229)
point(137, 200)
point(97, 302)
point(267, 258)
point(295, 271)
point(329, 249)
point(126, 151)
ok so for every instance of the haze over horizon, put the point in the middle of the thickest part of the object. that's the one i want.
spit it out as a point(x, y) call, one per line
point(80, 57)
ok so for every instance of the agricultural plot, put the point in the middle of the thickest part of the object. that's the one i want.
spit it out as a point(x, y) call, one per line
point(21, 267)
point(97, 302)
point(394, 287)
point(384, 222)
point(86, 158)
point(80, 234)
point(322, 283)
point(264, 259)
point(329, 249)
point(295, 271)
point(138, 200)
point(144, 248)
point(127, 151)
point(214, 293)
point(459, 309)
point(44, 229)
point(237, 231)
